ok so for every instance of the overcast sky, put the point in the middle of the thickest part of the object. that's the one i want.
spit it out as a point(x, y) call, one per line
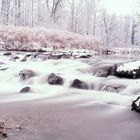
point(124, 7)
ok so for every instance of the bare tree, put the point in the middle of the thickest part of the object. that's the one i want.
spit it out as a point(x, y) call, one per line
point(5, 11)
point(17, 12)
point(92, 7)
point(108, 25)
point(126, 29)
point(75, 15)
point(53, 7)
point(136, 26)
point(32, 7)
point(133, 34)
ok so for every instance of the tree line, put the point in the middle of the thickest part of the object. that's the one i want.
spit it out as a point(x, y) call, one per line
point(86, 17)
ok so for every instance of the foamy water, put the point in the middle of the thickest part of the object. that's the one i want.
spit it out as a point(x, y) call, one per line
point(99, 88)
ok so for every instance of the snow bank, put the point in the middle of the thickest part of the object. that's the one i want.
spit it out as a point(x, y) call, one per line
point(129, 66)
point(31, 39)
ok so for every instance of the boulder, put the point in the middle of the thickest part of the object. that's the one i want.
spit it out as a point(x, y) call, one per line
point(102, 71)
point(28, 55)
point(105, 71)
point(54, 79)
point(7, 53)
point(136, 105)
point(35, 55)
point(24, 59)
point(134, 74)
point(66, 56)
point(43, 56)
point(129, 70)
point(25, 90)
point(15, 57)
point(55, 56)
point(109, 89)
point(112, 88)
point(79, 84)
point(26, 74)
point(85, 56)
point(112, 69)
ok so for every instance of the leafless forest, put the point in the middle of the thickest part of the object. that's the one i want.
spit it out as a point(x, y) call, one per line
point(86, 17)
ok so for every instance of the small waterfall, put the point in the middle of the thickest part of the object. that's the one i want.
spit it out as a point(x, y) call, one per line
point(77, 76)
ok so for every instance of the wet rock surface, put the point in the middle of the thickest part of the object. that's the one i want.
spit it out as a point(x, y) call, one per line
point(54, 79)
point(85, 56)
point(111, 88)
point(129, 70)
point(25, 90)
point(28, 55)
point(24, 59)
point(79, 84)
point(135, 106)
point(105, 71)
point(7, 53)
point(55, 56)
point(26, 74)
point(134, 74)
point(15, 57)
point(66, 56)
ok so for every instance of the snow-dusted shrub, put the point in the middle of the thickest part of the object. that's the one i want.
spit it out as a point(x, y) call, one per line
point(32, 39)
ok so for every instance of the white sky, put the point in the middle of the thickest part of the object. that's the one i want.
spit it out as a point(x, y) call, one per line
point(119, 6)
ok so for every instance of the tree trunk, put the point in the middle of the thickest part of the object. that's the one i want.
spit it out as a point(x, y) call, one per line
point(133, 34)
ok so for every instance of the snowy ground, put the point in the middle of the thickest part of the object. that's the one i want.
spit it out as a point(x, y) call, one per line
point(60, 112)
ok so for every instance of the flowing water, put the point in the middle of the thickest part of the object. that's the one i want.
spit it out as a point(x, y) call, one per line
point(107, 89)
